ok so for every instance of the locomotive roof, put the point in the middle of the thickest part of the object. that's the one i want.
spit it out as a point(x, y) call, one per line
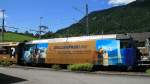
point(74, 39)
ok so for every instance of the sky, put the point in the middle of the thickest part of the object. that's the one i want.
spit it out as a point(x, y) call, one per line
point(57, 14)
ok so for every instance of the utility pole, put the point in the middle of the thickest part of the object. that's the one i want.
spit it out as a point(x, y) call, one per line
point(40, 27)
point(3, 25)
point(87, 19)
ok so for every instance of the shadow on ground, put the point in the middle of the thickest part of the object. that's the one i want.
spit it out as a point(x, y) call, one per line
point(6, 79)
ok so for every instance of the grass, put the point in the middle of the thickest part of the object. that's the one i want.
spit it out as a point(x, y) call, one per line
point(148, 71)
point(5, 63)
point(80, 67)
point(56, 67)
point(13, 37)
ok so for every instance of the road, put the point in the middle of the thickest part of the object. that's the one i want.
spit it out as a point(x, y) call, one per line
point(33, 76)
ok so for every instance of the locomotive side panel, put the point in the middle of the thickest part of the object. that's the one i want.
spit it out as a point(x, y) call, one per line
point(71, 53)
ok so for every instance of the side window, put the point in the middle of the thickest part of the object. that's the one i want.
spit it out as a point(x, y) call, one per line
point(4, 50)
point(126, 44)
point(123, 44)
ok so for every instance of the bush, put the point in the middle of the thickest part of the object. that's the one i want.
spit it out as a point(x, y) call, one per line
point(148, 71)
point(56, 67)
point(80, 67)
point(0, 62)
point(5, 63)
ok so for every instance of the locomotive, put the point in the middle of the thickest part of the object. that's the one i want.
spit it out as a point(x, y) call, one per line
point(104, 50)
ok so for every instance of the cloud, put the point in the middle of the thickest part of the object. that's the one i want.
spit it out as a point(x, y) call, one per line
point(119, 2)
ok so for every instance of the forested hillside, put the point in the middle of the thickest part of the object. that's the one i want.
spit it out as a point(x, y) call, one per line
point(134, 17)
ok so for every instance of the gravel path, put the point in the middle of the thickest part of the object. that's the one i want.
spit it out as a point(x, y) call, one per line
point(33, 76)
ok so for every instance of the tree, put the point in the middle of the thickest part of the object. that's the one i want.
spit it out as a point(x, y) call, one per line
point(16, 31)
point(26, 32)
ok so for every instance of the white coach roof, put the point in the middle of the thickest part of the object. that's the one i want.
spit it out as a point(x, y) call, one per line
point(74, 39)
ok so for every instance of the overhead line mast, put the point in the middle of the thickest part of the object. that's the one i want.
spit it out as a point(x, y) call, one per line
point(87, 19)
point(3, 25)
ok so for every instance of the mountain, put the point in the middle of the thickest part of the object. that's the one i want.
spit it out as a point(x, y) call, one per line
point(133, 17)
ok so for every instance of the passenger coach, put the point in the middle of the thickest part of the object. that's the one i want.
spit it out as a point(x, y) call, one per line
point(9, 51)
point(106, 50)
